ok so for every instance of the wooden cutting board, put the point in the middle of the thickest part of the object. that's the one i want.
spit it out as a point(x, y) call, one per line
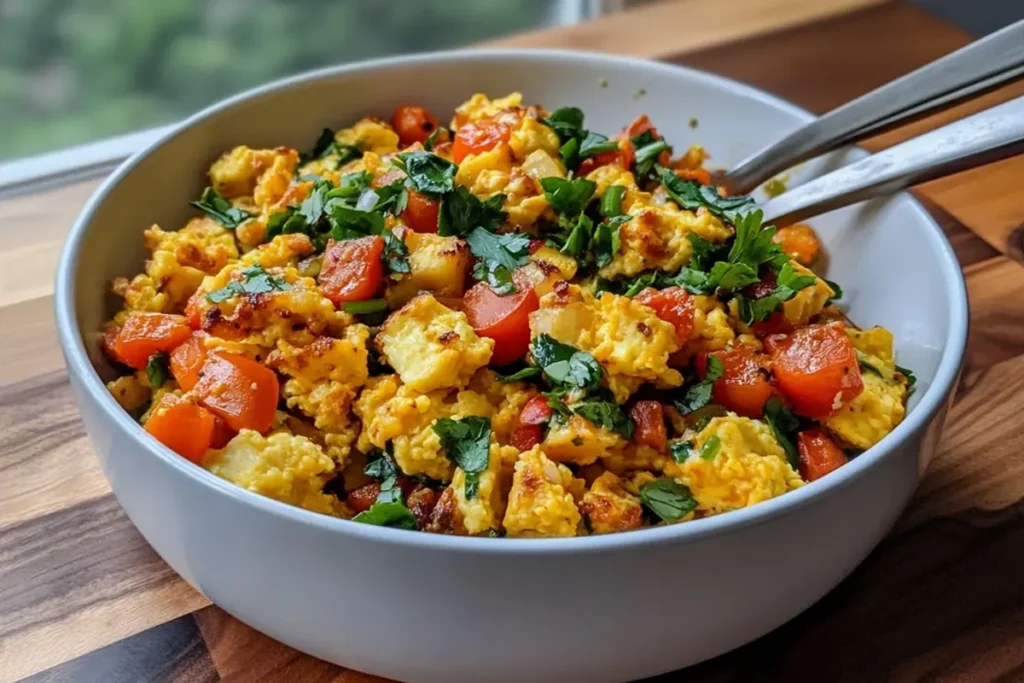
point(83, 598)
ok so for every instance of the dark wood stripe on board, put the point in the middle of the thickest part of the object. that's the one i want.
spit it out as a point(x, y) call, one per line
point(173, 652)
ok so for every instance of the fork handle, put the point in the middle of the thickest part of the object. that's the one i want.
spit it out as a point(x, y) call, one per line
point(979, 67)
point(985, 137)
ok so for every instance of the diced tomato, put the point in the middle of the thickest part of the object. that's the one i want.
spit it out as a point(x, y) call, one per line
point(421, 212)
point(352, 269)
point(701, 175)
point(536, 411)
point(776, 323)
point(799, 242)
point(641, 124)
point(535, 245)
point(480, 136)
point(194, 310)
point(649, 417)
point(187, 360)
point(816, 369)
point(819, 455)
point(764, 287)
point(421, 501)
point(184, 427)
point(743, 387)
point(144, 334)
point(673, 305)
point(526, 437)
point(622, 156)
point(240, 390)
point(363, 498)
point(413, 124)
point(222, 432)
point(505, 319)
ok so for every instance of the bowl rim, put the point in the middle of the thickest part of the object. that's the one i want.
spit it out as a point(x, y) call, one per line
point(76, 356)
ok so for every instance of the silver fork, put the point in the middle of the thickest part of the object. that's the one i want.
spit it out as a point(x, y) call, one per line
point(977, 68)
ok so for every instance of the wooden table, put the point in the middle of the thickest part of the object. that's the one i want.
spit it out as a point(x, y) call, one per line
point(83, 598)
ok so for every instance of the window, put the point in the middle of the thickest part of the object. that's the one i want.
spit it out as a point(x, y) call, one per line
point(73, 71)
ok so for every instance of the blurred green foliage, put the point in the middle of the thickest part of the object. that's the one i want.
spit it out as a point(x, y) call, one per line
point(77, 70)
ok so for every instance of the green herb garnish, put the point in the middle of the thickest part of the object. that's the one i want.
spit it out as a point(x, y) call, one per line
point(788, 283)
point(611, 201)
point(467, 443)
point(668, 499)
point(711, 447)
point(499, 256)
point(391, 514)
point(461, 211)
point(521, 374)
point(220, 209)
point(158, 369)
point(363, 307)
point(784, 425)
point(255, 280)
point(607, 415)
point(565, 365)
point(429, 173)
point(699, 395)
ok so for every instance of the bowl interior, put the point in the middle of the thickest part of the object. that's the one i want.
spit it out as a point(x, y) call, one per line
point(894, 265)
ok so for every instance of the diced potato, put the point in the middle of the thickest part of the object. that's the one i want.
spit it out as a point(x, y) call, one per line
point(437, 264)
point(609, 507)
point(542, 501)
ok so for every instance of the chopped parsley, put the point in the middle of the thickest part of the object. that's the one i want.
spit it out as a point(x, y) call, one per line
point(384, 470)
point(646, 156)
point(255, 280)
point(565, 365)
point(607, 415)
point(521, 374)
point(784, 425)
point(595, 143)
point(837, 291)
point(329, 149)
point(499, 256)
point(577, 142)
point(690, 194)
point(667, 499)
point(605, 243)
point(435, 138)
point(911, 378)
point(461, 211)
point(158, 369)
point(429, 173)
point(220, 209)
point(699, 395)
point(364, 307)
point(680, 450)
point(392, 514)
point(568, 197)
point(788, 283)
point(467, 442)
point(611, 201)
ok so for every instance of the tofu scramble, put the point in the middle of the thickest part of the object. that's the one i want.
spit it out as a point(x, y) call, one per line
point(510, 326)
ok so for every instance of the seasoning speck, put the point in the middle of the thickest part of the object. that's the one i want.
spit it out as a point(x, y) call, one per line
point(603, 82)
point(640, 93)
point(776, 186)
point(694, 122)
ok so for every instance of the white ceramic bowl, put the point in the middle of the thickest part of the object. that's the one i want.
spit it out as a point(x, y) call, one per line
point(416, 606)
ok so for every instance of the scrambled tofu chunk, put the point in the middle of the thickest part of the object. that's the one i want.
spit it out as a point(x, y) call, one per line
point(809, 301)
point(130, 392)
point(874, 412)
point(276, 180)
point(748, 467)
point(370, 135)
point(479, 106)
point(626, 337)
point(488, 173)
point(141, 293)
point(712, 330)
point(542, 501)
point(291, 469)
point(876, 345)
point(507, 399)
point(532, 136)
point(393, 412)
point(484, 511)
point(432, 347)
point(546, 267)
point(180, 260)
point(578, 441)
point(609, 507)
point(655, 238)
point(236, 172)
point(437, 264)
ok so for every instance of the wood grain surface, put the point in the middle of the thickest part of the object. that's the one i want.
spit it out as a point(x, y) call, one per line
point(84, 598)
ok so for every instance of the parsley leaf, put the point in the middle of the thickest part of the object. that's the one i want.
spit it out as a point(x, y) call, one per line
point(690, 194)
point(499, 256)
point(564, 364)
point(784, 425)
point(568, 197)
point(467, 443)
point(837, 291)
point(668, 499)
point(680, 450)
point(429, 173)
point(220, 209)
point(699, 395)
point(158, 370)
point(461, 212)
point(521, 374)
point(255, 280)
point(384, 470)
point(327, 146)
point(911, 378)
point(606, 241)
point(570, 153)
point(364, 307)
point(607, 415)
point(788, 283)
point(567, 122)
point(393, 514)
point(434, 138)
point(595, 143)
